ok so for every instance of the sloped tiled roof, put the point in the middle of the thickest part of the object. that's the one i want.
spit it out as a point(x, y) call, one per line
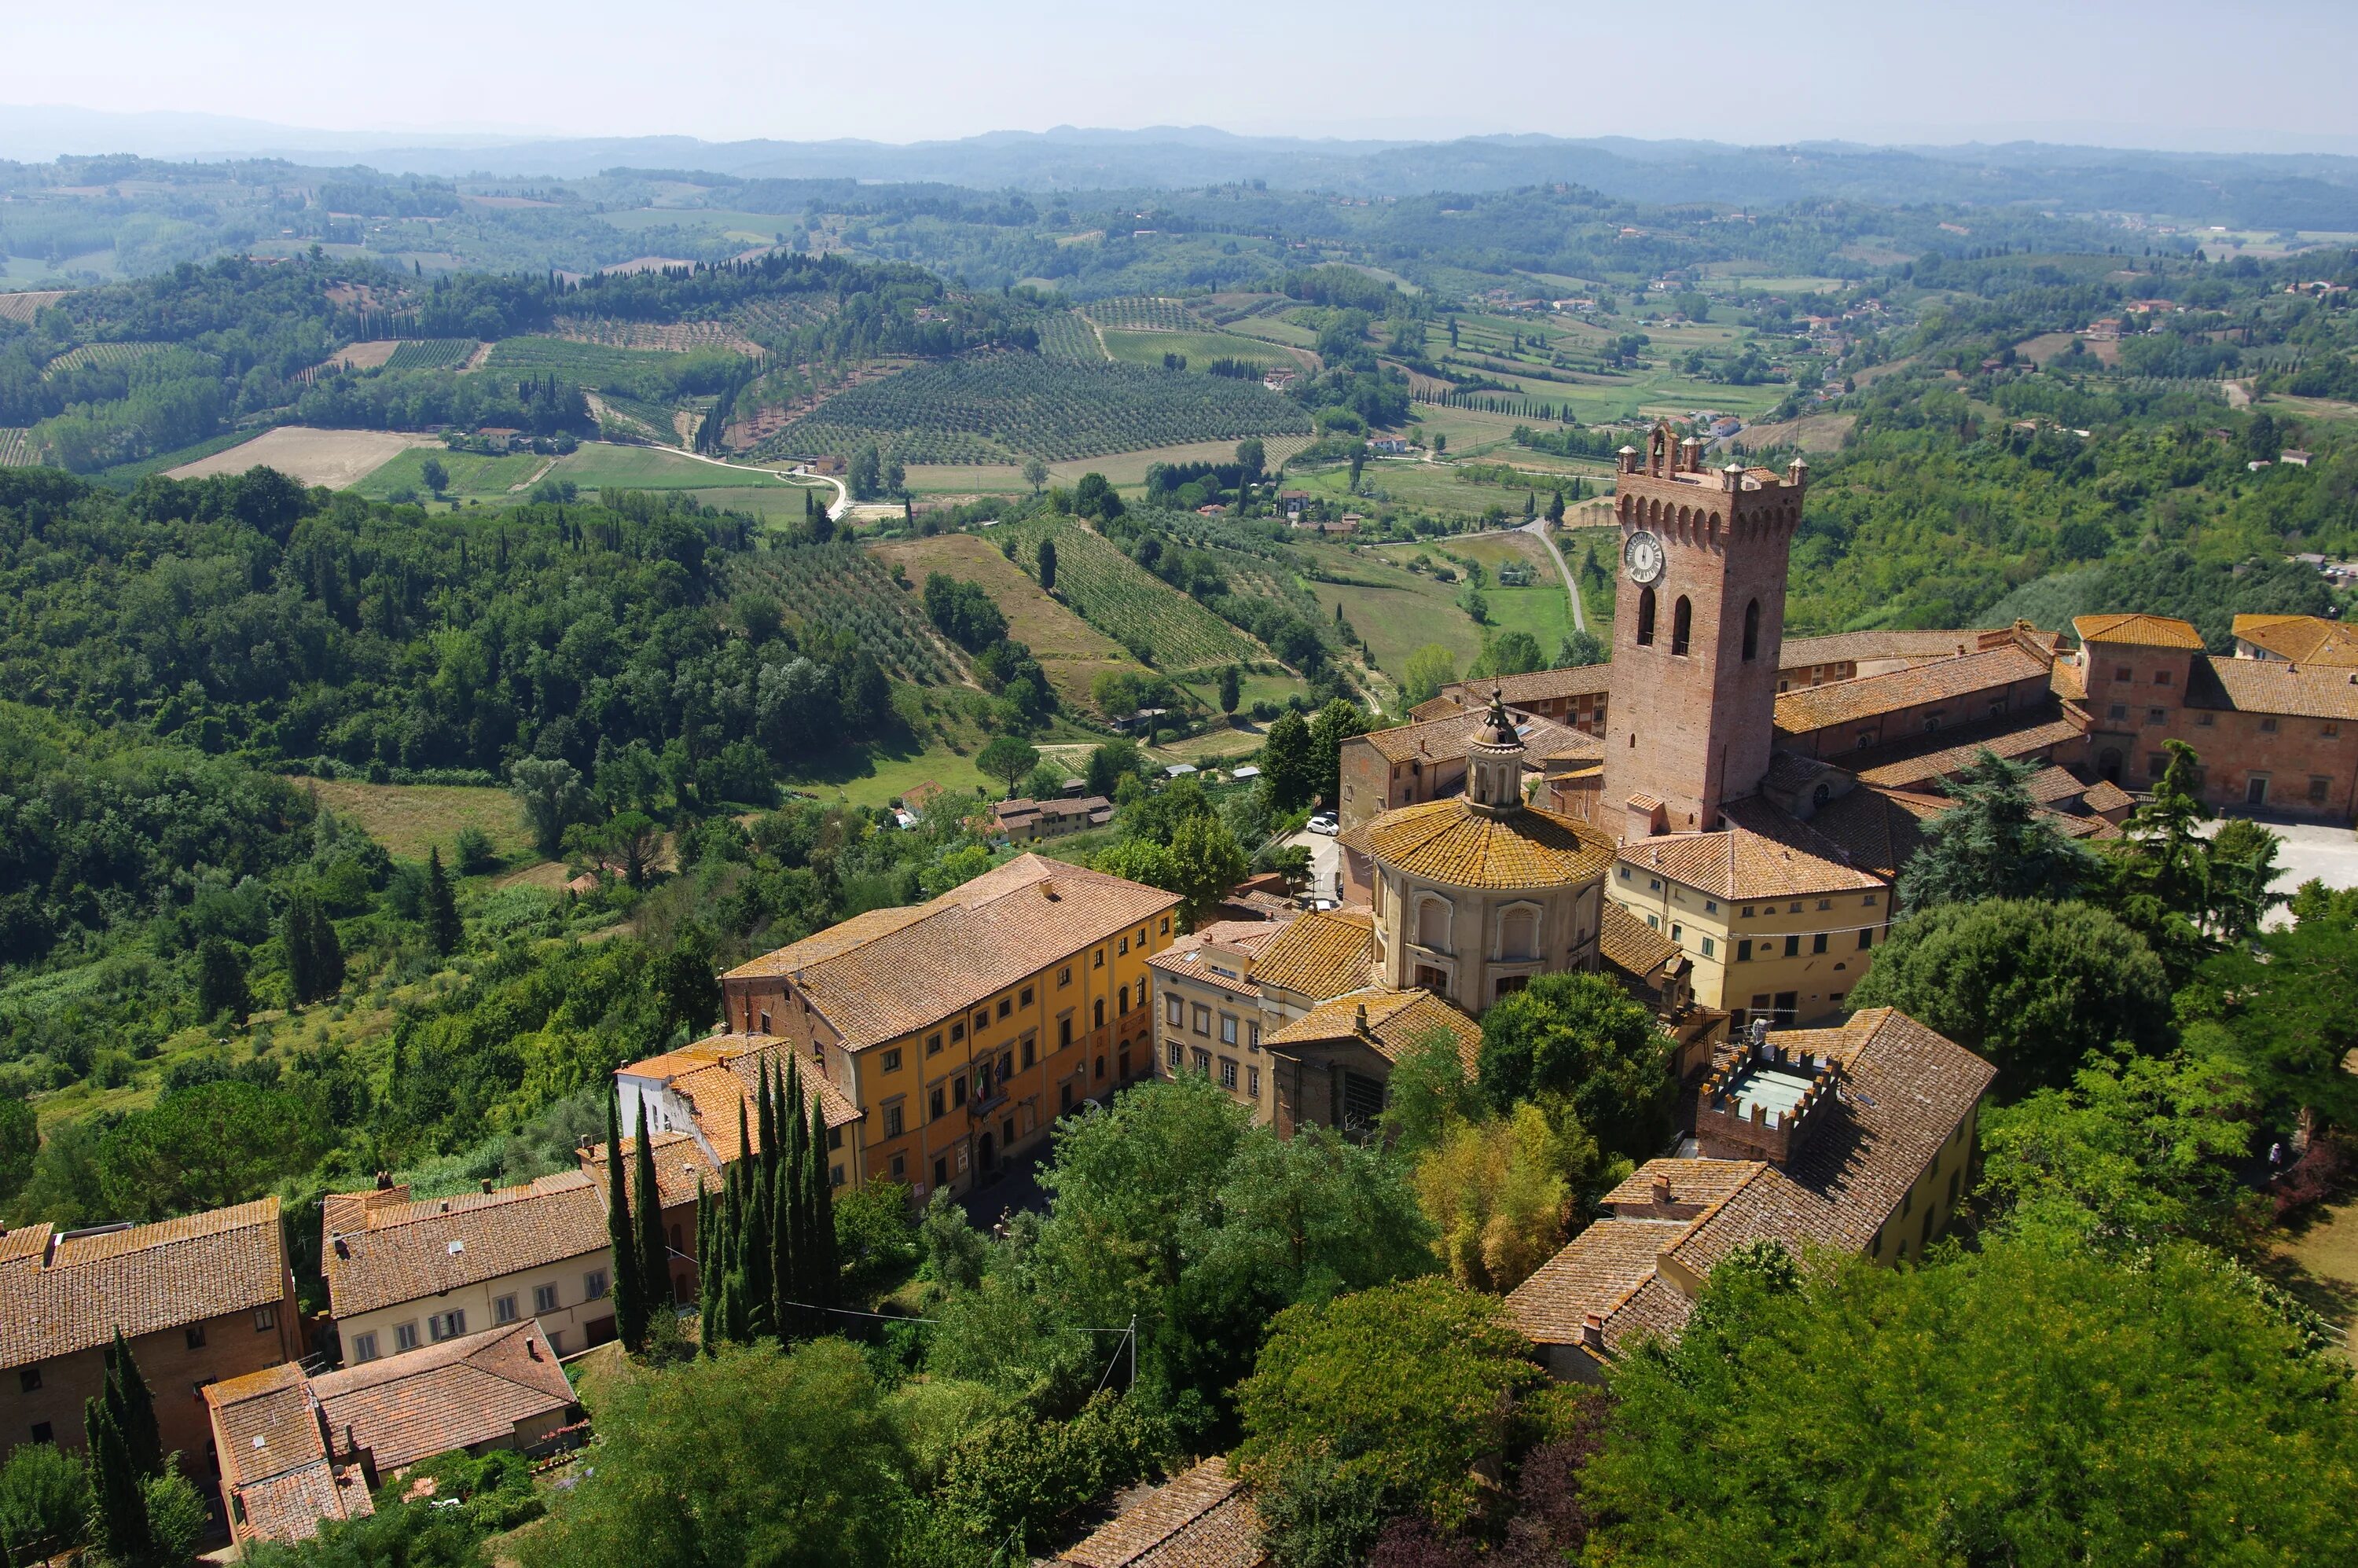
point(63, 1293)
point(1187, 957)
point(1760, 853)
point(1320, 954)
point(1456, 843)
point(1918, 759)
point(1538, 686)
point(422, 1249)
point(2107, 795)
point(1392, 1021)
point(1860, 647)
point(1436, 740)
point(1632, 945)
point(1904, 1091)
point(2264, 686)
point(1871, 697)
point(680, 1167)
point(2137, 631)
point(1878, 828)
point(272, 1451)
point(476, 1388)
point(721, 1072)
point(892, 976)
point(2303, 639)
point(1203, 1519)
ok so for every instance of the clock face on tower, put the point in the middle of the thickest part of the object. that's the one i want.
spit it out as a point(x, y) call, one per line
point(1643, 556)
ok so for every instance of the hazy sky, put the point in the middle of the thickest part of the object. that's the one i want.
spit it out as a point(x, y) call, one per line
point(2152, 72)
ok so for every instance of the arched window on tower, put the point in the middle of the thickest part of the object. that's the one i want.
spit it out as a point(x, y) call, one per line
point(1752, 630)
point(1682, 625)
point(1645, 618)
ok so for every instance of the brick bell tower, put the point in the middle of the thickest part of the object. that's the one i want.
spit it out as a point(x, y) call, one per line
point(1698, 618)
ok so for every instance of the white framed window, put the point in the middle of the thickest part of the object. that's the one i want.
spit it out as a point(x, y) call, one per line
point(1229, 1072)
point(445, 1326)
point(364, 1348)
point(503, 1310)
point(1228, 1030)
point(1174, 1011)
point(404, 1336)
point(544, 1299)
point(593, 1285)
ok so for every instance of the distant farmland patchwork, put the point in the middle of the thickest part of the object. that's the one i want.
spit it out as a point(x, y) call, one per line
point(1130, 604)
point(1005, 407)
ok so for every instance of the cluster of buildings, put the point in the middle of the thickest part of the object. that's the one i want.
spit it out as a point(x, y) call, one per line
point(1715, 818)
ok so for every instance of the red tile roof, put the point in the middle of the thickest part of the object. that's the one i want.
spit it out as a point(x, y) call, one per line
point(1323, 953)
point(272, 1448)
point(405, 1251)
point(1457, 843)
point(1203, 1519)
point(2264, 686)
point(2137, 631)
point(60, 1293)
point(1872, 696)
point(1761, 854)
point(1446, 737)
point(1390, 1021)
point(2303, 639)
point(474, 1389)
point(889, 973)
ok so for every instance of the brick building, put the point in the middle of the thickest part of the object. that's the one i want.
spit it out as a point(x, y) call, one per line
point(201, 1300)
point(960, 1028)
point(683, 1168)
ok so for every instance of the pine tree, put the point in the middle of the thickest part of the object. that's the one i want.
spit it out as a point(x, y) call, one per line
point(121, 1511)
point(654, 1257)
point(133, 1405)
point(630, 1302)
point(442, 927)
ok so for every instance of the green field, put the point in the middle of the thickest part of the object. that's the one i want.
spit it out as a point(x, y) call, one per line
point(1000, 408)
point(1130, 604)
point(471, 475)
point(410, 819)
point(1394, 612)
point(584, 364)
point(840, 588)
point(16, 448)
point(1071, 652)
point(100, 354)
point(1144, 313)
point(605, 465)
point(1199, 348)
point(432, 353)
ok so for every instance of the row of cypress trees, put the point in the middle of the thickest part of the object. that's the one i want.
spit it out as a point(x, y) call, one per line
point(635, 1229)
point(126, 1451)
point(765, 1242)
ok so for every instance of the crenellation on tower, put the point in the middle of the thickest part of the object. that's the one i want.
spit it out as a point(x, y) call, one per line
point(1700, 613)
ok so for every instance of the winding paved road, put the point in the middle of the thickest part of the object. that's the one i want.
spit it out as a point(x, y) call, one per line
point(842, 495)
point(1538, 528)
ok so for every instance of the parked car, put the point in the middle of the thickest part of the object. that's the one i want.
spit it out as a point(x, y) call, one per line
point(1324, 822)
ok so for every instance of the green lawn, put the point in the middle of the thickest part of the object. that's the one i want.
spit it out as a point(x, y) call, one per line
point(408, 819)
point(1397, 611)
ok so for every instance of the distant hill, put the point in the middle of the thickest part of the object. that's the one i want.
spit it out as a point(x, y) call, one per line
point(2316, 191)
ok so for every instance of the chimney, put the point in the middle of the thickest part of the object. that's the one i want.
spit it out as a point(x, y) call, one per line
point(384, 1180)
point(1592, 1330)
point(487, 1184)
point(1661, 1187)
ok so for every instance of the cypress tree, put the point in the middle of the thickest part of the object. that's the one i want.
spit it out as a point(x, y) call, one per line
point(122, 1503)
point(442, 927)
point(654, 1257)
point(220, 982)
point(708, 1268)
point(793, 1321)
point(767, 1118)
point(630, 1303)
point(824, 1271)
point(133, 1405)
point(760, 1284)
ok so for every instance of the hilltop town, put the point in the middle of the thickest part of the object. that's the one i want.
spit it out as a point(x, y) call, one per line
point(1187, 877)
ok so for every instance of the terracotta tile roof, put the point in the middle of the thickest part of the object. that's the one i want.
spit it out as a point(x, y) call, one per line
point(2052, 783)
point(1598, 1271)
point(1203, 1519)
point(1871, 697)
point(2107, 795)
point(2303, 639)
point(680, 1167)
point(721, 1071)
point(410, 1250)
point(476, 1388)
point(1760, 854)
point(1859, 647)
point(1455, 843)
point(1918, 759)
point(1392, 1021)
point(895, 976)
point(1538, 686)
point(1878, 828)
point(60, 1293)
point(2263, 686)
point(2137, 631)
point(1632, 945)
point(272, 1447)
point(1905, 1090)
point(1187, 958)
point(1321, 954)
point(1446, 737)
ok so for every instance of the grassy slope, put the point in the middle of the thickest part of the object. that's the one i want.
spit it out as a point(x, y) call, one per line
point(408, 818)
point(470, 473)
point(1396, 611)
point(603, 464)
